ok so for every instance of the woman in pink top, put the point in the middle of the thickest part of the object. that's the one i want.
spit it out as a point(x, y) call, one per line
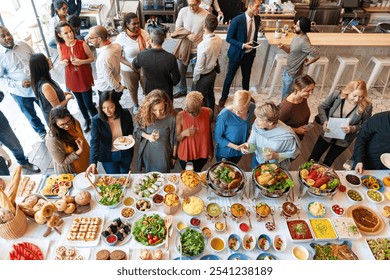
point(193, 132)
point(76, 56)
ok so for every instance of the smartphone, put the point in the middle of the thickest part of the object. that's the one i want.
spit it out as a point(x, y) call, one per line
point(255, 44)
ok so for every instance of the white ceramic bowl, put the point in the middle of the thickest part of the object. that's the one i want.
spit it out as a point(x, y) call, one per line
point(219, 226)
point(248, 242)
point(217, 241)
point(316, 215)
point(375, 196)
point(300, 253)
point(264, 242)
point(350, 177)
point(355, 196)
point(128, 213)
point(338, 214)
point(279, 243)
point(143, 205)
point(180, 225)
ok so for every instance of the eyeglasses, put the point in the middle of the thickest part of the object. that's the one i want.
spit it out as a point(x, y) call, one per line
point(193, 5)
point(92, 38)
point(67, 124)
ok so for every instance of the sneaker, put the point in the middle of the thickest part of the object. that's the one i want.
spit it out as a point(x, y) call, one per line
point(31, 167)
point(135, 109)
point(179, 94)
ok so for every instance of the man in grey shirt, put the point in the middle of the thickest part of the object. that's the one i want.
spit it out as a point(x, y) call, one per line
point(298, 53)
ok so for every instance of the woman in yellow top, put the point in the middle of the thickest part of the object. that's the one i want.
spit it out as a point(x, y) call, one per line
point(66, 142)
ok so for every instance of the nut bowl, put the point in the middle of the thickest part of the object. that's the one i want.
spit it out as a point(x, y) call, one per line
point(216, 175)
point(272, 180)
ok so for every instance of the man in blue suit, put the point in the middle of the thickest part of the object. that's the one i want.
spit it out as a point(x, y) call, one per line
point(241, 34)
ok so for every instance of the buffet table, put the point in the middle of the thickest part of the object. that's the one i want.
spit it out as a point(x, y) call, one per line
point(359, 247)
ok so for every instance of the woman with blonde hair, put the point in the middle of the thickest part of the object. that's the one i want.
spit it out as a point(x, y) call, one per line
point(350, 103)
point(155, 129)
point(193, 132)
point(270, 139)
point(232, 127)
point(294, 110)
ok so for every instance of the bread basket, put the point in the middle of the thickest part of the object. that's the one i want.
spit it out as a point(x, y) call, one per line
point(14, 228)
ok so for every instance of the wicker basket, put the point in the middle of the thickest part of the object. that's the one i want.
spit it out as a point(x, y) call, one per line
point(14, 228)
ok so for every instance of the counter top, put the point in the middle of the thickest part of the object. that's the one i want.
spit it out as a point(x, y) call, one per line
point(377, 9)
point(338, 39)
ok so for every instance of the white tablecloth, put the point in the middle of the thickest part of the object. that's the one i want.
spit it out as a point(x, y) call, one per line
point(359, 246)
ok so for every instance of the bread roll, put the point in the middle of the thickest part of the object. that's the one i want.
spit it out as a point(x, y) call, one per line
point(70, 208)
point(83, 198)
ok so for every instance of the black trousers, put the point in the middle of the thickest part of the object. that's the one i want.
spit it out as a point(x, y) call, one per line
point(320, 148)
point(205, 85)
point(246, 69)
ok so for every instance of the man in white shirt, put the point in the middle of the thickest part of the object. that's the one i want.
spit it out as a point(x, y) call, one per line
point(206, 62)
point(190, 18)
point(108, 61)
point(15, 77)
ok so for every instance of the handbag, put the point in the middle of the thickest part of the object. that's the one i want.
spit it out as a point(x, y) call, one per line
point(152, 25)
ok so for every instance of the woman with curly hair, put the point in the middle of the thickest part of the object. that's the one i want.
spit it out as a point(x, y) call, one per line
point(155, 129)
point(193, 130)
point(350, 103)
point(66, 142)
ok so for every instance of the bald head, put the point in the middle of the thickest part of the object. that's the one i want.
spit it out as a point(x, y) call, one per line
point(98, 35)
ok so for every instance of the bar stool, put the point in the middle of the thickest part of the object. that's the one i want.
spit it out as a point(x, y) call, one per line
point(323, 61)
point(379, 64)
point(344, 61)
point(281, 61)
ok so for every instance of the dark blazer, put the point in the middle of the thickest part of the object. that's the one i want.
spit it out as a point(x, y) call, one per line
point(101, 137)
point(237, 36)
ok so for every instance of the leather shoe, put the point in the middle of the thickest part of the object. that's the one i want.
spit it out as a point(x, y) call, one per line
point(179, 94)
point(221, 102)
point(31, 167)
point(87, 127)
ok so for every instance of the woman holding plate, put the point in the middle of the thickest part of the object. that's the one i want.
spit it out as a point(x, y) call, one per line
point(111, 123)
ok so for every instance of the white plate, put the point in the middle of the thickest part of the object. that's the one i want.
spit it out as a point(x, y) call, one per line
point(119, 243)
point(33, 178)
point(82, 243)
point(136, 252)
point(110, 249)
point(385, 159)
point(84, 252)
point(81, 182)
point(6, 246)
point(124, 146)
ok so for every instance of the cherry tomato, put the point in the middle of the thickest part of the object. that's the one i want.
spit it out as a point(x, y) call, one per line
point(155, 238)
point(151, 241)
point(149, 236)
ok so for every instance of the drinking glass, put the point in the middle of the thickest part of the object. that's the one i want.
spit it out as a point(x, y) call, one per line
point(75, 67)
point(265, 152)
point(348, 165)
point(156, 135)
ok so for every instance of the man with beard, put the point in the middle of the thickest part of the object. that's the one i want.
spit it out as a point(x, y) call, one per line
point(300, 53)
point(15, 77)
point(108, 71)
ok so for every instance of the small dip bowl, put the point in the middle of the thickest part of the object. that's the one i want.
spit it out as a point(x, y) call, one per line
point(217, 244)
point(264, 242)
point(337, 210)
point(248, 242)
point(169, 188)
point(244, 227)
point(219, 227)
point(206, 231)
point(128, 213)
point(375, 196)
point(158, 199)
point(195, 222)
point(279, 243)
point(234, 242)
point(143, 204)
point(355, 196)
point(300, 253)
point(353, 180)
point(181, 225)
point(111, 240)
point(128, 201)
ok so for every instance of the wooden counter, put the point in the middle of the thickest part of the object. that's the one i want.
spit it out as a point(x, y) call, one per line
point(338, 39)
point(377, 9)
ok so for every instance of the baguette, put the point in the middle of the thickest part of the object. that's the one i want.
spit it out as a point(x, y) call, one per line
point(13, 188)
point(5, 202)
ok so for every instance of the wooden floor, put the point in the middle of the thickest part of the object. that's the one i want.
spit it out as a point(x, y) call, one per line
point(41, 157)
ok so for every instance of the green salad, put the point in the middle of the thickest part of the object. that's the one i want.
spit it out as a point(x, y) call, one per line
point(193, 242)
point(110, 194)
point(149, 230)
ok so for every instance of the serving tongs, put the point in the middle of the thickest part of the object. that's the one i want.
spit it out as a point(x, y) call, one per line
point(248, 214)
point(95, 187)
point(124, 185)
point(167, 223)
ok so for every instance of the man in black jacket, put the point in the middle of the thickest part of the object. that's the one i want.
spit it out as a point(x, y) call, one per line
point(372, 141)
point(160, 67)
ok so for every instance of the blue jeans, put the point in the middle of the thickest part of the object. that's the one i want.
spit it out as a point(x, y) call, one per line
point(85, 102)
point(9, 139)
point(4, 171)
point(286, 84)
point(120, 162)
point(26, 105)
